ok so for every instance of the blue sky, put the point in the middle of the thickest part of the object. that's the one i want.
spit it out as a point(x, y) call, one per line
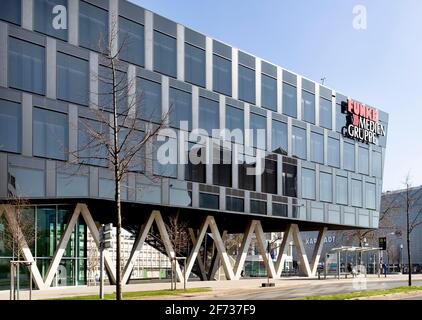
point(381, 66)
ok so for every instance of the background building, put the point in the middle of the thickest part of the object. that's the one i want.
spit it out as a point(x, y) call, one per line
point(317, 173)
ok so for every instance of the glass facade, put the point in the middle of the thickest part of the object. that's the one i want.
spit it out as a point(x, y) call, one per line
point(10, 126)
point(308, 106)
point(93, 27)
point(308, 184)
point(317, 147)
point(363, 160)
point(11, 11)
point(289, 100)
point(180, 108)
point(222, 75)
point(235, 121)
point(194, 65)
point(333, 152)
point(26, 70)
point(45, 18)
point(72, 79)
point(349, 156)
point(325, 112)
point(279, 137)
point(299, 142)
point(269, 92)
point(165, 57)
point(149, 100)
point(209, 117)
point(258, 125)
point(341, 190)
point(50, 134)
point(325, 187)
point(131, 41)
point(246, 84)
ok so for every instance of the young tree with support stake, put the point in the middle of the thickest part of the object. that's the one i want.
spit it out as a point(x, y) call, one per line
point(119, 129)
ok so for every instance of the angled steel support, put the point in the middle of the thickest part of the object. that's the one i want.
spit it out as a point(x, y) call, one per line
point(198, 257)
point(262, 249)
point(282, 254)
point(243, 251)
point(215, 262)
point(317, 250)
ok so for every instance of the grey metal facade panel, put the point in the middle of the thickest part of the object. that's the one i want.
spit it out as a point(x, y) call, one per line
point(180, 85)
point(132, 12)
point(69, 49)
point(27, 35)
point(209, 95)
point(165, 25)
point(246, 59)
point(258, 110)
point(308, 85)
point(279, 117)
point(10, 94)
point(147, 74)
point(195, 38)
point(222, 49)
point(51, 104)
point(289, 77)
point(325, 92)
point(234, 103)
point(269, 69)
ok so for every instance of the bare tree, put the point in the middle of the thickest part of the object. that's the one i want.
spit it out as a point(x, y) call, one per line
point(178, 233)
point(413, 209)
point(121, 129)
point(93, 260)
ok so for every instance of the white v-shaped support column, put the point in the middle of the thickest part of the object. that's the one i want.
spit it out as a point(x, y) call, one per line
point(215, 266)
point(155, 216)
point(282, 254)
point(26, 251)
point(262, 249)
point(198, 257)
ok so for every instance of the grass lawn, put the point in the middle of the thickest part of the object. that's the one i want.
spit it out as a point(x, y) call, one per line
point(136, 294)
point(360, 294)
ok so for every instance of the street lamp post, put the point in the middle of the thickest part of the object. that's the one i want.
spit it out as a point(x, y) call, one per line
point(401, 257)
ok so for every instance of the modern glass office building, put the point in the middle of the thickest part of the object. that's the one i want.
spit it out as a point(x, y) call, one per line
point(323, 151)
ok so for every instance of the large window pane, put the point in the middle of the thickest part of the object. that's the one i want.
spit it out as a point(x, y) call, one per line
point(258, 126)
point(299, 142)
point(308, 183)
point(246, 181)
point(289, 180)
point(131, 40)
point(165, 54)
point(105, 90)
point(268, 92)
point(269, 177)
point(370, 195)
point(349, 156)
point(165, 163)
point(258, 207)
point(72, 79)
point(209, 201)
point(50, 134)
point(341, 190)
point(195, 169)
point(222, 74)
point(280, 209)
point(10, 126)
point(180, 108)
point(91, 150)
point(26, 69)
point(222, 168)
point(317, 147)
point(46, 227)
point(194, 65)
point(72, 185)
point(44, 17)
point(308, 106)
point(333, 152)
point(340, 118)
point(10, 11)
point(246, 84)
point(93, 27)
point(25, 182)
point(325, 187)
point(356, 193)
point(149, 97)
point(377, 164)
point(235, 204)
point(289, 100)
point(325, 111)
point(209, 115)
point(363, 160)
point(235, 121)
point(279, 137)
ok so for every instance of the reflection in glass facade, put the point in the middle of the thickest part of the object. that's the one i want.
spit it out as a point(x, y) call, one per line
point(180, 108)
point(246, 84)
point(49, 226)
point(149, 100)
point(194, 65)
point(165, 54)
point(10, 126)
point(289, 100)
point(317, 147)
point(222, 75)
point(93, 27)
point(44, 16)
point(209, 117)
point(269, 92)
point(325, 111)
point(131, 40)
point(299, 142)
point(10, 11)
point(308, 184)
point(279, 137)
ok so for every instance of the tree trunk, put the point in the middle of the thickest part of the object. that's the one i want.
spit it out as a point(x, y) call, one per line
point(409, 260)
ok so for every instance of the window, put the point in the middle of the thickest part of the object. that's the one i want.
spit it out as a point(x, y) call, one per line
point(246, 181)
point(10, 126)
point(377, 164)
point(280, 209)
point(93, 27)
point(258, 126)
point(179, 195)
point(299, 142)
point(90, 150)
point(180, 108)
point(105, 90)
point(195, 169)
point(209, 201)
point(27, 182)
point(341, 190)
point(106, 189)
point(194, 65)
point(289, 100)
point(258, 207)
point(340, 118)
point(26, 66)
point(308, 183)
point(209, 114)
point(146, 191)
point(50, 134)
point(289, 180)
point(72, 185)
point(165, 160)
point(10, 11)
point(279, 137)
point(363, 160)
point(235, 204)
point(325, 111)
point(308, 106)
point(129, 140)
point(165, 54)
point(349, 156)
point(246, 84)
point(149, 96)
point(325, 187)
point(333, 152)
point(235, 121)
point(269, 177)
point(268, 92)
point(317, 147)
point(370, 195)
point(222, 168)
point(44, 16)
point(356, 193)
point(72, 79)
point(131, 40)
point(222, 74)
